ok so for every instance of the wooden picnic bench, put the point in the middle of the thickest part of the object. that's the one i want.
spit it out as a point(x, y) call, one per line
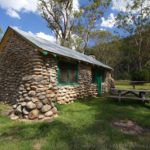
point(134, 83)
point(123, 94)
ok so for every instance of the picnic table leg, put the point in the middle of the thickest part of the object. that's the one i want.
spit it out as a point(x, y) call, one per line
point(119, 96)
point(142, 95)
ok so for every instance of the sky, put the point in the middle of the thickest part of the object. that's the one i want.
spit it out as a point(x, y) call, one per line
point(23, 14)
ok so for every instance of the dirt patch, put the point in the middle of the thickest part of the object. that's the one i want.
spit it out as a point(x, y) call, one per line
point(37, 146)
point(129, 127)
point(5, 109)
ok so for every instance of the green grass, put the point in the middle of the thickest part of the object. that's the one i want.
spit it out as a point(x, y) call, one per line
point(125, 84)
point(83, 125)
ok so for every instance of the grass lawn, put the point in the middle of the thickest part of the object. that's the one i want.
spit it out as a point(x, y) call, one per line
point(83, 125)
point(124, 84)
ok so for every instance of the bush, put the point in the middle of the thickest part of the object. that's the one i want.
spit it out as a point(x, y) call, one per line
point(147, 66)
point(142, 75)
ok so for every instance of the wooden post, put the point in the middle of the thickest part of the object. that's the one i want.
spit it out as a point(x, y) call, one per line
point(119, 95)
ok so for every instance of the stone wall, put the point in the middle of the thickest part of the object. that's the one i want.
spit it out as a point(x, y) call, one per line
point(28, 79)
point(108, 83)
point(24, 80)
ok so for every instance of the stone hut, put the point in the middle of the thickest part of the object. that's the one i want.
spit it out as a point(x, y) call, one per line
point(35, 74)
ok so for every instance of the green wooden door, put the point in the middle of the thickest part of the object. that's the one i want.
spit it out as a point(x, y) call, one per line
point(99, 83)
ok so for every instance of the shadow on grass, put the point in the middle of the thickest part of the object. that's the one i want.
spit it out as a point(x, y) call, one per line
point(97, 134)
point(110, 110)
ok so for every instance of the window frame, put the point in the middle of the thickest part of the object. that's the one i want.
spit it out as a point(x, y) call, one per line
point(68, 72)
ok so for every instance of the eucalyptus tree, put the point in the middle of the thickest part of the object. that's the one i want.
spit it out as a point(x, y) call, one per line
point(59, 15)
point(72, 27)
point(135, 22)
point(1, 31)
point(89, 18)
point(106, 48)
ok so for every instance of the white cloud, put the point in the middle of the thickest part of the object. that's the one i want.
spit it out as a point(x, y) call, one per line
point(14, 7)
point(108, 22)
point(121, 5)
point(42, 35)
point(76, 5)
point(39, 34)
point(102, 29)
point(12, 13)
point(46, 36)
point(18, 5)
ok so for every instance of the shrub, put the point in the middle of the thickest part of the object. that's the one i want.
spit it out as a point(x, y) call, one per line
point(142, 75)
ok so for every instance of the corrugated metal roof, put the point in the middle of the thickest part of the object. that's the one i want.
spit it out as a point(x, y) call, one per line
point(60, 50)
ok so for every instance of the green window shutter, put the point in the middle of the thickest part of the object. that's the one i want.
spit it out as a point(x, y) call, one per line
point(67, 73)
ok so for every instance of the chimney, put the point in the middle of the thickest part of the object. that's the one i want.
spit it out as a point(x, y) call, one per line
point(93, 56)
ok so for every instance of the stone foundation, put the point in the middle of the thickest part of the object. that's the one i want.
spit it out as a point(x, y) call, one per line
point(84, 87)
point(67, 94)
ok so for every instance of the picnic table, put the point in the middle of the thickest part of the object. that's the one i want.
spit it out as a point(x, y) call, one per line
point(134, 83)
point(136, 94)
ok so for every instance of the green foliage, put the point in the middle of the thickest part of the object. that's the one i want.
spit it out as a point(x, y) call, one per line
point(147, 66)
point(135, 22)
point(141, 75)
point(65, 22)
point(87, 19)
point(130, 55)
point(135, 17)
point(107, 48)
point(102, 37)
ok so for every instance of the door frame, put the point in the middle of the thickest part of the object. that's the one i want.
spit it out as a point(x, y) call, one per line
point(99, 83)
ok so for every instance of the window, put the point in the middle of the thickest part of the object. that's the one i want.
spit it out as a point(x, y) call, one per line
point(67, 73)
